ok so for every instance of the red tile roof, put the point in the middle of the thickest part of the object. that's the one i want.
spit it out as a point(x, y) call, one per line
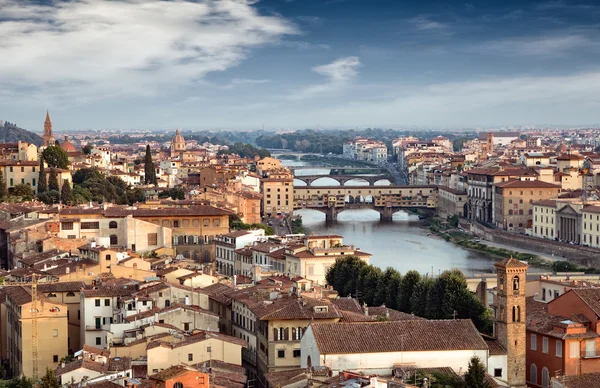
point(408, 335)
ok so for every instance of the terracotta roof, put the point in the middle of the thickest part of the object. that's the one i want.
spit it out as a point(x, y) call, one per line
point(591, 297)
point(393, 315)
point(495, 347)
point(288, 377)
point(104, 384)
point(199, 336)
point(173, 307)
point(394, 336)
point(293, 308)
point(540, 321)
point(585, 380)
point(172, 372)
point(109, 290)
point(510, 263)
point(61, 287)
point(348, 304)
point(545, 202)
point(84, 363)
point(517, 184)
point(591, 209)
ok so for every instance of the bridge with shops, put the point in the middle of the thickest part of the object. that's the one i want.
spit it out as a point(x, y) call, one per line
point(386, 200)
point(343, 175)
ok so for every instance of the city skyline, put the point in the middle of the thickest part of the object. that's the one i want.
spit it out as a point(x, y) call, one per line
point(294, 64)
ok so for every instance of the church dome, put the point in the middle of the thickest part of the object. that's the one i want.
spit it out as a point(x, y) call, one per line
point(178, 138)
point(67, 145)
point(561, 149)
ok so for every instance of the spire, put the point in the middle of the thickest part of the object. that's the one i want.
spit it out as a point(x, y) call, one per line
point(48, 136)
point(47, 118)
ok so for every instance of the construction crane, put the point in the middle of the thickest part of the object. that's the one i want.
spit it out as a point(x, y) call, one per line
point(34, 312)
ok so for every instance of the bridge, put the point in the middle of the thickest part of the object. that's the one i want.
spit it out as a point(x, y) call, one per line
point(280, 152)
point(386, 200)
point(342, 179)
point(341, 170)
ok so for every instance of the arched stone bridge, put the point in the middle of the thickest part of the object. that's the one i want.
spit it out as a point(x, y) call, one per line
point(386, 200)
point(342, 179)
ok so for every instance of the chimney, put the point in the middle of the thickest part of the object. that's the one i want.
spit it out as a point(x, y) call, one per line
point(366, 309)
point(93, 244)
point(67, 270)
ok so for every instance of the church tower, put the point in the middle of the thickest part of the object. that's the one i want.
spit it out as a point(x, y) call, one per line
point(490, 142)
point(178, 144)
point(48, 136)
point(510, 324)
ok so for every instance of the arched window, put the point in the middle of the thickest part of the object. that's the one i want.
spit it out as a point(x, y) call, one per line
point(533, 374)
point(167, 303)
point(510, 201)
point(516, 283)
point(510, 225)
point(51, 295)
point(514, 314)
point(545, 377)
point(70, 293)
point(112, 225)
point(178, 385)
point(520, 212)
point(518, 313)
point(510, 212)
point(114, 240)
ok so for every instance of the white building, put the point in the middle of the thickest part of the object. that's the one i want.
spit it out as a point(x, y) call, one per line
point(225, 246)
point(377, 346)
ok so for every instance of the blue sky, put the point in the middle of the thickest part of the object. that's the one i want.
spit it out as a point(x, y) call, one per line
point(292, 64)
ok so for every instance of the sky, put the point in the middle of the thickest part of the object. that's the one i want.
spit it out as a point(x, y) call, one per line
point(294, 64)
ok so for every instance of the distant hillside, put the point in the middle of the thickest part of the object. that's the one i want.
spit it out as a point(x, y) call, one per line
point(10, 133)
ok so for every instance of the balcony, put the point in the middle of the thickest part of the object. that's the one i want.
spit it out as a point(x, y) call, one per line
point(97, 327)
point(590, 354)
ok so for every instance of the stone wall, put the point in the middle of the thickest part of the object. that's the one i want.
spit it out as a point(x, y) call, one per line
point(580, 255)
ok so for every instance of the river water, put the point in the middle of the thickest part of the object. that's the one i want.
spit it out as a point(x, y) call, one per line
point(403, 244)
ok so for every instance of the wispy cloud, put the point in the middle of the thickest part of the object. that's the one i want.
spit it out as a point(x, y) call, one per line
point(338, 74)
point(243, 82)
point(100, 48)
point(315, 20)
point(426, 23)
point(536, 46)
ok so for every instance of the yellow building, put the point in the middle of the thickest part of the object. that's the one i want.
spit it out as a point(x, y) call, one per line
point(52, 332)
point(278, 193)
point(197, 348)
point(67, 293)
point(590, 216)
point(267, 164)
point(20, 172)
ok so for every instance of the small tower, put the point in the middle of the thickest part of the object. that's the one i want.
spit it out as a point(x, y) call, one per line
point(48, 136)
point(178, 144)
point(490, 142)
point(510, 325)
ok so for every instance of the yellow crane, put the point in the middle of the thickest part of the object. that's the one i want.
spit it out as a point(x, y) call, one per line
point(34, 312)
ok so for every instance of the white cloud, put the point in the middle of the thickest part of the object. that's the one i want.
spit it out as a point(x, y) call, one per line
point(425, 23)
point(536, 46)
point(244, 81)
point(102, 48)
point(338, 74)
point(545, 99)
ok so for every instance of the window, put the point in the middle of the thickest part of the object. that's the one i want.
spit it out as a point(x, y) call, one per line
point(152, 238)
point(55, 358)
point(533, 374)
point(281, 354)
point(33, 182)
point(108, 257)
point(216, 223)
point(112, 225)
point(516, 283)
point(190, 357)
point(90, 225)
point(97, 302)
point(98, 340)
point(296, 353)
point(590, 348)
point(558, 349)
point(545, 345)
point(574, 349)
point(545, 377)
point(175, 223)
point(67, 226)
point(311, 269)
point(497, 372)
point(206, 222)
point(114, 240)
point(186, 327)
point(533, 342)
point(178, 385)
point(54, 332)
point(107, 302)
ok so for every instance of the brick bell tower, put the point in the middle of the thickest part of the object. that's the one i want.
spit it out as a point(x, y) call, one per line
point(510, 324)
point(48, 136)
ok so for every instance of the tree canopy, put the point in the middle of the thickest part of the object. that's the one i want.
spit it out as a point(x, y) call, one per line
point(245, 151)
point(56, 157)
point(90, 185)
point(443, 297)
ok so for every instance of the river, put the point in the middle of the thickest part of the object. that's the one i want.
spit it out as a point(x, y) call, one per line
point(404, 244)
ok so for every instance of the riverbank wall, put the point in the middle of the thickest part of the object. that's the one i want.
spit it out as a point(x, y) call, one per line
point(584, 256)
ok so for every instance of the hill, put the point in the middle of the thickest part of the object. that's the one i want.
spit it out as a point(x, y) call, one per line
point(10, 133)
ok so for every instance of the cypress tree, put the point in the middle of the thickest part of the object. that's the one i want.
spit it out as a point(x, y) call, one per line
point(149, 171)
point(475, 376)
point(2, 185)
point(42, 182)
point(65, 193)
point(53, 181)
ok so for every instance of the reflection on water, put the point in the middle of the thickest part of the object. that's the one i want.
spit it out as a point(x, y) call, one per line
point(403, 244)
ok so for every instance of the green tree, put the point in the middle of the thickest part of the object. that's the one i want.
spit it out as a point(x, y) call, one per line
point(53, 180)
point(22, 382)
point(49, 380)
point(475, 376)
point(388, 288)
point(2, 186)
point(369, 278)
point(149, 169)
point(87, 149)
point(42, 181)
point(56, 157)
point(66, 196)
point(174, 193)
point(24, 191)
point(418, 300)
point(407, 287)
point(343, 275)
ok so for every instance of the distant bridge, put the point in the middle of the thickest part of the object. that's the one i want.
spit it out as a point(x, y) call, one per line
point(298, 155)
point(386, 200)
point(342, 179)
point(341, 170)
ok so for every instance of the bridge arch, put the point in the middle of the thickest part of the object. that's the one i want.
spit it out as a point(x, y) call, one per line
point(382, 182)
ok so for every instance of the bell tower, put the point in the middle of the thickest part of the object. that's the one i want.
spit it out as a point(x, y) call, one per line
point(510, 325)
point(48, 136)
